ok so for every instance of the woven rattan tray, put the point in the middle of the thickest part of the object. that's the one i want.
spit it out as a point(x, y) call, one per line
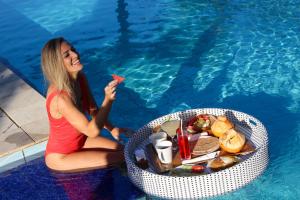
point(201, 186)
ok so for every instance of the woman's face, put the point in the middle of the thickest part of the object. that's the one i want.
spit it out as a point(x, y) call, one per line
point(71, 59)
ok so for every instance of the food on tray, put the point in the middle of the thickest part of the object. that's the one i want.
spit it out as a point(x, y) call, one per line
point(119, 79)
point(204, 145)
point(232, 141)
point(170, 127)
point(186, 170)
point(192, 168)
point(198, 168)
point(197, 136)
point(222, 162)
point(156, 129)
point(199, 123)
point(220, 126)
point(208, 133)
point(247, 149)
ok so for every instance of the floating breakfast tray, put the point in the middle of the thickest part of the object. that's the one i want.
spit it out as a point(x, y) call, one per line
point(207, 185)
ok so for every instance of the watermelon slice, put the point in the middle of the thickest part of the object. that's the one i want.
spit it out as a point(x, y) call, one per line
point(120, 79)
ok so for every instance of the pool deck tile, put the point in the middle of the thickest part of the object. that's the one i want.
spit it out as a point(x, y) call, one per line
point(37, 133)
point(13, 138)
point(23, 120)
point(19, 101)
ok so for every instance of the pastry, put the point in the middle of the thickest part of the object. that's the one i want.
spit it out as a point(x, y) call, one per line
point(220, 126)
point(222, 162)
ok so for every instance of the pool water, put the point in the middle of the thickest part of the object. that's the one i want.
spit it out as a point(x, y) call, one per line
point(175, 55)
point(35, 181)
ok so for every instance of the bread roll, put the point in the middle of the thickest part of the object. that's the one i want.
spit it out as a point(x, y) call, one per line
point(232, 141)
point(220, 126)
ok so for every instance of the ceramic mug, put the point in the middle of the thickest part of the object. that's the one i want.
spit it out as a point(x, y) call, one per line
point(164, 151)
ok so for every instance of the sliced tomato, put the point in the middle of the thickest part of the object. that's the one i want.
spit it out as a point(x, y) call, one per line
point(198, 168)
point(120, 79)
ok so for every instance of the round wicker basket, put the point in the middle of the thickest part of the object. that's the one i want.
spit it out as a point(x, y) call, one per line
point(201, 186)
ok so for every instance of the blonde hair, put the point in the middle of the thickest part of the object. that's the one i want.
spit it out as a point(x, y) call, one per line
point(53, 67)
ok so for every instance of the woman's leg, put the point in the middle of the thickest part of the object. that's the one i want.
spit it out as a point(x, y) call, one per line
point(102, 142)
point(84, 160)
point(98, 152)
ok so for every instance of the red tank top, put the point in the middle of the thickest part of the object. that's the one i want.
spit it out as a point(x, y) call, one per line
point(63, 137)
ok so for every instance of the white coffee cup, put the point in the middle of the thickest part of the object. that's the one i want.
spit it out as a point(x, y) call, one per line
point(157, 137)
point(164, 151)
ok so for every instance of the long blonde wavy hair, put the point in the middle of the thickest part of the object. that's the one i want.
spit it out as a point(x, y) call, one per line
point(53, 66)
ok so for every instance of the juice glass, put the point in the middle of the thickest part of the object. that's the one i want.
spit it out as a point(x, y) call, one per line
point(183, 144)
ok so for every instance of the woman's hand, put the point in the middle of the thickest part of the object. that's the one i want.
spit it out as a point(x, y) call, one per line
point(116, 132)
point(110, 90)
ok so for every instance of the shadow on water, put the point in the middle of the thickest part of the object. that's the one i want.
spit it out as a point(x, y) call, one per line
point(24, 56)
point(188, 71)
point(8, 65)
point(124, 50)
point(118, 55)
point(123, 46)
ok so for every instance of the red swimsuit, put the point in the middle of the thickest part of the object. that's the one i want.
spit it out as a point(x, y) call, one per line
point(63, 137)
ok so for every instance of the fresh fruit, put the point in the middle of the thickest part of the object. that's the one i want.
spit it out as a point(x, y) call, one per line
point(187, 169)
point(119, 79)
point(198, 123)
point(232, 141)
point(220, 126)
point(198, 168)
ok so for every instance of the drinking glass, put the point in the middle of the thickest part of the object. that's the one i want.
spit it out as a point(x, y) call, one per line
point(183, 143)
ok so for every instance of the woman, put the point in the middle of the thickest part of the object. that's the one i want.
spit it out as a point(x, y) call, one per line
point(74, 142)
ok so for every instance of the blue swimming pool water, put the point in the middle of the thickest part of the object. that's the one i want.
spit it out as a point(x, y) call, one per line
point(175, 55)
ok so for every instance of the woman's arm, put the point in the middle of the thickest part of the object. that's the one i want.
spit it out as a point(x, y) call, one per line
point(78, 119)
point(92, 106)
point(88, 99)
